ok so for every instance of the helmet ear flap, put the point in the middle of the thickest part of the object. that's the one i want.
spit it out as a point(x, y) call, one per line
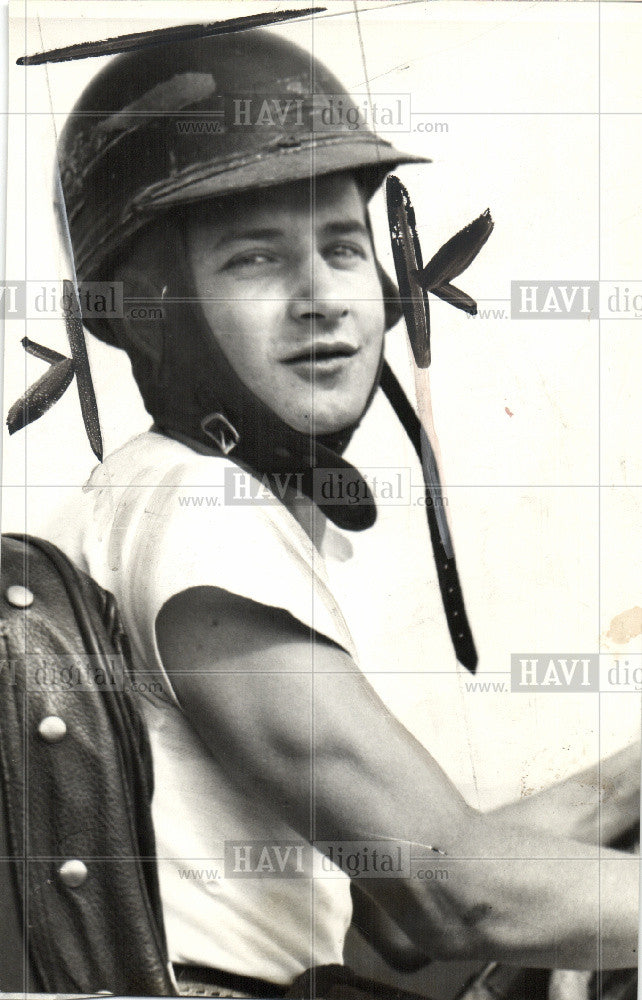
point(147, 271)
point(391, 301)
point(139, 284)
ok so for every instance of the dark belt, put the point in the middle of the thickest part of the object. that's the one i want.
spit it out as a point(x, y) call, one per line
point(227, 980)
point(323, 982)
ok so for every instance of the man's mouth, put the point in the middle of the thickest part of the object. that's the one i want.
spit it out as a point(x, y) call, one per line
point(322, 353)
point(322, 360)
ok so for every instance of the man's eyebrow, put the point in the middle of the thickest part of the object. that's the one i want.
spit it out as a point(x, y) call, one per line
point(343, 227)
point(338, 227)
point(260, 233)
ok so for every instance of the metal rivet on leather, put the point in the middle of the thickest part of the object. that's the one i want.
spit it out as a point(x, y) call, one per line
point(73, 873)
point(19, 597)
point(52, 728)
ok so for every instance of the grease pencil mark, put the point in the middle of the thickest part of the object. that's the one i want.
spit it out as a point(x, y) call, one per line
point(86, 394)
point(452, 258)
point(159, 36)
point(41, 396)
point(414, 282)
point(50, 387)
point(406, 252)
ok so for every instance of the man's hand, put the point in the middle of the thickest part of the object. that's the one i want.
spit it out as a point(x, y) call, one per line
point(294, 722)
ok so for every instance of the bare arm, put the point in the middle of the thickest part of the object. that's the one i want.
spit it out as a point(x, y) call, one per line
point(297, 723)
point(599, 804)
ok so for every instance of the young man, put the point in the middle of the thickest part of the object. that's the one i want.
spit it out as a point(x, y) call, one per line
point(256, 243)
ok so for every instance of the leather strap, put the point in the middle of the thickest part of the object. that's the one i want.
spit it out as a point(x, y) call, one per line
point(339, 982)
point(251, 985)
point(451, 592)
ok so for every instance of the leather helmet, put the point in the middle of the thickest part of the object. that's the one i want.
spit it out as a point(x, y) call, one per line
point(187, 120)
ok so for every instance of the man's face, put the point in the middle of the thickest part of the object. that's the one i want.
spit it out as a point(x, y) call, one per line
point(289, 287)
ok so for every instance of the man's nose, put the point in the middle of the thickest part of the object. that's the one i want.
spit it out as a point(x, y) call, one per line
point(317, 295)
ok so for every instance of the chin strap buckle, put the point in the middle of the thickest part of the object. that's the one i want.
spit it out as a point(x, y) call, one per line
point(220, 430)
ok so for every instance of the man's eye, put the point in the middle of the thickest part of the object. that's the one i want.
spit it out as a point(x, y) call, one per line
point(346, 252)
point(254, 258)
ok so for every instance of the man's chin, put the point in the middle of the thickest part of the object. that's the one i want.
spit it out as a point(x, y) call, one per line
point(320, 424)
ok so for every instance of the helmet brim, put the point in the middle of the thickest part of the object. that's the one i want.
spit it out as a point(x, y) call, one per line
point(284, 164)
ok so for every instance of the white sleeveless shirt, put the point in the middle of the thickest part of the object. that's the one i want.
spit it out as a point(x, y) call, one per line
point(151, 522)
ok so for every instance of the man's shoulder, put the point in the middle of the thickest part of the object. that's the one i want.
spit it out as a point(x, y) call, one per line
point(147, 457)
point(155, 459)
point(156, 488)
point(125, 484)
point(156, 519)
